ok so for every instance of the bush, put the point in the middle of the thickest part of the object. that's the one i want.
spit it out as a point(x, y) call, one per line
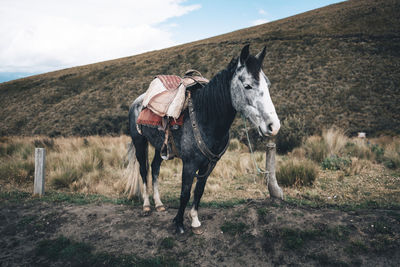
point(297, 172)
point(335, 141)
point(379, 152)
point(391, 157)
point(335, 163)
point(359, 149)
point(316, 149)
point(291, 134)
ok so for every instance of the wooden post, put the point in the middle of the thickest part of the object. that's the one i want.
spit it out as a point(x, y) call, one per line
point(274, 190)
point(40, 164)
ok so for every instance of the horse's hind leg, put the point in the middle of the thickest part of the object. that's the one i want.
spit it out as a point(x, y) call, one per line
point(141, 145)
point(155, 170)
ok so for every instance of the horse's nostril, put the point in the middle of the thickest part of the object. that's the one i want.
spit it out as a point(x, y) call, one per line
point(269, 127)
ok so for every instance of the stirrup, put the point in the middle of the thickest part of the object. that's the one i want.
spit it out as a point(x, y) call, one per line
point(166, 152)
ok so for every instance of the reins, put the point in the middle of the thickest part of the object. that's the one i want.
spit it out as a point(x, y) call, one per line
point(259, 170)
point(212, 158)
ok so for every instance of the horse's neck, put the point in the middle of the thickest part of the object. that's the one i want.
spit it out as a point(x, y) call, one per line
point(214, 110)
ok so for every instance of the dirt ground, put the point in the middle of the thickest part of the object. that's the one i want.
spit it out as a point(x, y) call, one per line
point(256, 233)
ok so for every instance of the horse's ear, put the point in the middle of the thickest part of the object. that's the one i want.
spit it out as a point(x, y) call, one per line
point(260, 56)
point(244, 54)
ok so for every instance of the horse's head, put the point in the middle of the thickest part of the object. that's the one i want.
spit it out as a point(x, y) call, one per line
point(250, 94)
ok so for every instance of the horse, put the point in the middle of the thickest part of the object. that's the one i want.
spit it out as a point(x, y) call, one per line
point(202, 139)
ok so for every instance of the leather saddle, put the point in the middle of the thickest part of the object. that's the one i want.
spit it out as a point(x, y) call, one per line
point(164, 103)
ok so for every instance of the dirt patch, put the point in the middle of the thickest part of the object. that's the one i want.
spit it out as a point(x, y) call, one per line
point(256, 233)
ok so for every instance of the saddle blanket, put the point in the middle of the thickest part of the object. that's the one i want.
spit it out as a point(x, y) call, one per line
point(149, 118)
point(165, 96)
point(166, 93)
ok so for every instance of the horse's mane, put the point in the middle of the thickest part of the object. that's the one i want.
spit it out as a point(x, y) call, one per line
point(215, 98)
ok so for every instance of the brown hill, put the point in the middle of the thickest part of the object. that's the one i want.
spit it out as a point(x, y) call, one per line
point(336, 65)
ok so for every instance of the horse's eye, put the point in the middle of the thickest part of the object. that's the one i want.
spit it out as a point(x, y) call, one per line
point(247, 87)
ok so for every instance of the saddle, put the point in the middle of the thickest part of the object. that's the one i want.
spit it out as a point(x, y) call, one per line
point(164, 103)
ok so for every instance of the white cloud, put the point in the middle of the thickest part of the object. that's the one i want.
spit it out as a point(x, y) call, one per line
point(262, 12)
point(259, 21)
point(44, 35)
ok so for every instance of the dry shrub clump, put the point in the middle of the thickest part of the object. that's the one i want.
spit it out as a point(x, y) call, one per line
point(315, 148)
point(299, 172)
point(335, 141)
point(331, 143)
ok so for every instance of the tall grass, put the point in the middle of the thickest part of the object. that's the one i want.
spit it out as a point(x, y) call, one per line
point(98, 165)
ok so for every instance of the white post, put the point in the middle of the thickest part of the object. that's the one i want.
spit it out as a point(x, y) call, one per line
point(40, 164)
point(273, 187)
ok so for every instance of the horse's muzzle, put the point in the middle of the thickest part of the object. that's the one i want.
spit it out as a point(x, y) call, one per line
point(270, 128)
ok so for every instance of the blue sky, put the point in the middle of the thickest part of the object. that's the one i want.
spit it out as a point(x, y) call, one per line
point(45, 35)
point(217, 17)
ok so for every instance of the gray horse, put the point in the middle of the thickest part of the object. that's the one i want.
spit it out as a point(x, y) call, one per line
point(204, 135)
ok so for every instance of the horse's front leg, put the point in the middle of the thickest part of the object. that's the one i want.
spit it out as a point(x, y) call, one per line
point(187, 181)
point(198, 193)
point(155, 170)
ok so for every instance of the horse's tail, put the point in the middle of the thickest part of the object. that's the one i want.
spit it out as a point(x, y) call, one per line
point(134, 185)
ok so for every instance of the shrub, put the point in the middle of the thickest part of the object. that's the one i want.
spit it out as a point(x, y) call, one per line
point(335, 163)
point(291, 134)
point(379, 152)
point(359, 149)
point(391, 157)
point(315, 148)
point(297, 172)
point(335, 141)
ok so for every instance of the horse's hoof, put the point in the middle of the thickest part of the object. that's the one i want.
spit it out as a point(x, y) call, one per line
point(146, 208)
point(160, 208)
point(198, 230)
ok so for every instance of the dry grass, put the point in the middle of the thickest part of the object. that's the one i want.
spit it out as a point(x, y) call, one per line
point(298, 172)
point(335, 141)
point(86, 165)
point(97, 165)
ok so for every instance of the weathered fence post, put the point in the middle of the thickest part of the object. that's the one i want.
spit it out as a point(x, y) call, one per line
point(273, 187)
point(40, 164)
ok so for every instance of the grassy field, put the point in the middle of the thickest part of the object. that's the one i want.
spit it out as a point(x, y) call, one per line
point(341, 207)
point(327, 169)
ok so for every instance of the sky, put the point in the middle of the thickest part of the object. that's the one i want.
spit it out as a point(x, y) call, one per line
point(46, 35)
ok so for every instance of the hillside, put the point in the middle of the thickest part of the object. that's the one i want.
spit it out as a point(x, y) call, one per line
point(336, 65)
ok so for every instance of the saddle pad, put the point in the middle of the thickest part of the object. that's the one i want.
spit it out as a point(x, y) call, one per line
point(148, 117)
point(171, 82)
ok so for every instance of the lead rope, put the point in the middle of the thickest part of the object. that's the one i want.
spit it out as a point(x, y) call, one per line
point(259, 170)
